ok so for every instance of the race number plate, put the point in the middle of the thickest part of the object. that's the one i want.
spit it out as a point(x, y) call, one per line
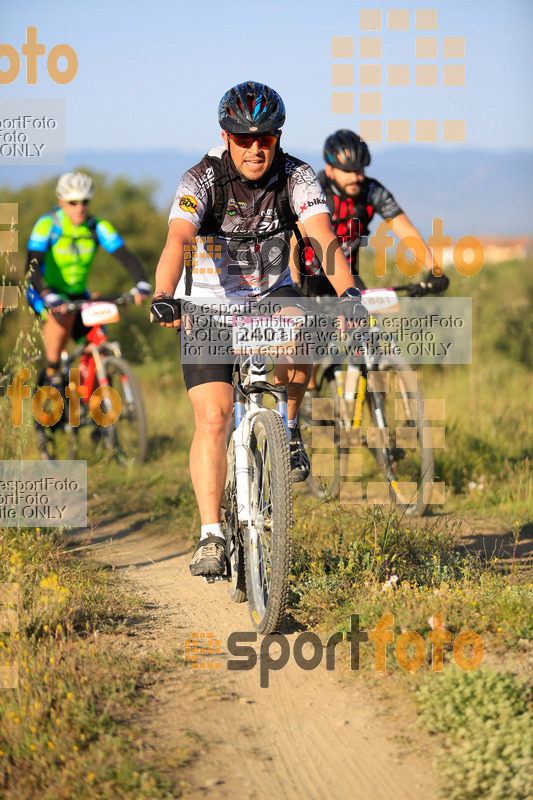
point(267, 335)
point(380, 301)
point(99, 314)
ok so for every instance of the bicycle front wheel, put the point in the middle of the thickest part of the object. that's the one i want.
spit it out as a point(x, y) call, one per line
point(268, 542)
point(400, 437)
point(128, 437)
point(232, 528)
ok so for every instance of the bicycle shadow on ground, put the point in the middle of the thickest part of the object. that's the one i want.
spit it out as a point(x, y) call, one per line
point(508, 547)
point(117, 531)
point(99, 532)
point(292, 625)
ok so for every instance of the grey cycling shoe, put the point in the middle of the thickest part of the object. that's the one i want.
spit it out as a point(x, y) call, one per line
point(209, 557)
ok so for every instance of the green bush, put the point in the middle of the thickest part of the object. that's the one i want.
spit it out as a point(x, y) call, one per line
point(487, 719)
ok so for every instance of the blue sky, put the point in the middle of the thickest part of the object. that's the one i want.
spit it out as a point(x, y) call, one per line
point(151, 74)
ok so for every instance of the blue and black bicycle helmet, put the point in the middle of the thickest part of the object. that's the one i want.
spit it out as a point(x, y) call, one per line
point(251, 107)
point(347, 151)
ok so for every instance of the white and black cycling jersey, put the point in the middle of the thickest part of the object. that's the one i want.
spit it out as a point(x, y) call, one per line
point(223, 266)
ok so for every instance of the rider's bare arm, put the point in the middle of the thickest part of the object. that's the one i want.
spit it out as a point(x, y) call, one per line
point(170, 266)
point(337, 269)
point(403, 227)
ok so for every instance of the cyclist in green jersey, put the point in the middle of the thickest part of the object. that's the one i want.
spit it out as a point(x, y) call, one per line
point(61, 250)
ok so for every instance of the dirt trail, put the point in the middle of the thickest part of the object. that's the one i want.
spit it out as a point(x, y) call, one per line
point(311, 734)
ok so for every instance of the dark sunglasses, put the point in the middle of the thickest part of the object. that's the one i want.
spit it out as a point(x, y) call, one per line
point(264, 140)
point(78, 202)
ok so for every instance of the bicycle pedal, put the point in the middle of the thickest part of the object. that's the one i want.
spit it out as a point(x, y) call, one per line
point(213, 578)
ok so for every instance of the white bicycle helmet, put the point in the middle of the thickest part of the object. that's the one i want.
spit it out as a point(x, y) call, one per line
point(74, 186)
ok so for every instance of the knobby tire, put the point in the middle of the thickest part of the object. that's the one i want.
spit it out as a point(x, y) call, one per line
point(268, 565)
point(232, 528)
point(129, 435)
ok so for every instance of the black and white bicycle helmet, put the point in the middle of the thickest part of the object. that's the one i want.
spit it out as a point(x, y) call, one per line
point(251, 107)
point(74, 186)
point(347, 151)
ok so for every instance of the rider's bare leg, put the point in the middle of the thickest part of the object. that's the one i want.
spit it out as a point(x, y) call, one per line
point(312, 379)
point(213, 406)
point(56, 333)
point(295, 377)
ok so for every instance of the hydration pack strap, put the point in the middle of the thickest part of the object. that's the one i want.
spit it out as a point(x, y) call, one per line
point(212, 223)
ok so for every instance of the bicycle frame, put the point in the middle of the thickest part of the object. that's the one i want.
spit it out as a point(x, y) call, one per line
point(348, 386)
point(248, 403)
point(372, 360)
point(358, 392)
point(96, 347)
point(101, 365)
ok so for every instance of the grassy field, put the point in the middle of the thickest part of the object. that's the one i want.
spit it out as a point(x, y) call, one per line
point(62, 724)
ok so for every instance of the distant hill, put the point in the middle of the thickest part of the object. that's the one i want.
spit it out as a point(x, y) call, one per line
point(473, 191)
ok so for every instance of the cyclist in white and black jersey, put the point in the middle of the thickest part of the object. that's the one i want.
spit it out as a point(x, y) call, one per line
point(250, 229)
point(251, 209)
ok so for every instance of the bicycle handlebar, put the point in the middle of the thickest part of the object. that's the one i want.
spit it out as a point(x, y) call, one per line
point(76, 305)
point(408, 286)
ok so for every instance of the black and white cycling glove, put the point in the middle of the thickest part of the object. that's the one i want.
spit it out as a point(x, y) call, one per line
point(164, 308)
point(52, 300)
point(351, 307)
point(144, 288)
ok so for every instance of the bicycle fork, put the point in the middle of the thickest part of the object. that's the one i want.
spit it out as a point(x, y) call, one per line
point(244, 421)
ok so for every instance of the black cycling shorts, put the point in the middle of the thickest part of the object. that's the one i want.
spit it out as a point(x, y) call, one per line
point(79, 330)
point(197, 373)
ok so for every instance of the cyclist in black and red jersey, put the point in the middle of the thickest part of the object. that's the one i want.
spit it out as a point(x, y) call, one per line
point(353, 198)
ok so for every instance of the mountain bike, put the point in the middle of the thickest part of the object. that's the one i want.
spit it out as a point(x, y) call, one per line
point(389, 447)
point(257, 503)
point(101, 368)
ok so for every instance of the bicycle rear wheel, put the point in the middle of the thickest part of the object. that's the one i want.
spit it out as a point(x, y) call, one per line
point(128, 437)
point(268, 543)
point(233, 531)
point(400, 438)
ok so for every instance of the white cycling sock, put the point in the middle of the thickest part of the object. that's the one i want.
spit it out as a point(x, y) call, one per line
point(292, 423)
point(215, 529)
